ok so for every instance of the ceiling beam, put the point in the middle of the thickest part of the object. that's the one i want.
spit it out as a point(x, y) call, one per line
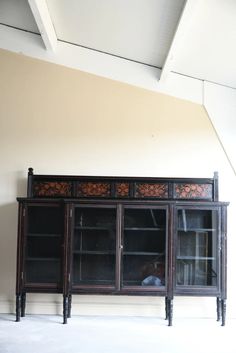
point(177, 41)
point(42, 17)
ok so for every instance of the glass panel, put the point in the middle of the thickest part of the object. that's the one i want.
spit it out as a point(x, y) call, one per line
point(43, 271)
point(94, 240)
point(95, 217)
point(144, 247)
point(94, 269)
point(94, 246)
point(197, 248)
point(44, 220)
point(44, 244)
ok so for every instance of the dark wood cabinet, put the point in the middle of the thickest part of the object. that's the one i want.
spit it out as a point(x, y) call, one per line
point(137, 236)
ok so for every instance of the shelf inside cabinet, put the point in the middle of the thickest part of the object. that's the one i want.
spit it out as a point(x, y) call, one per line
point(144, 253)
point(91, 252)
point(195, 258)
point(134, 283)
point(43, 235)
point(93, 228)
point(185, 230)
point(143, 229)
point(42, 259)
point(108, 284)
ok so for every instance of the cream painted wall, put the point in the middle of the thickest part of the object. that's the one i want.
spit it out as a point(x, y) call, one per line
point(60, 120)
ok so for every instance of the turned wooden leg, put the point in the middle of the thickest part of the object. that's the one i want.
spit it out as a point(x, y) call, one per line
point(23, 302)
point(18, 307)
point(166, 308)
point(218, 308)
point(170, 310)
point(223, 311)
point(69, 305)
point(65, 309)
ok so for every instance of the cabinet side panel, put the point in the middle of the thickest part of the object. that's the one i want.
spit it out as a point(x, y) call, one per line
point(19, 248)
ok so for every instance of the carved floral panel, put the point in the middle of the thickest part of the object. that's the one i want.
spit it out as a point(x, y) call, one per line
point(122, 189)
point(159, 190)
point(193, 191)
point(93, 189)
point(51, 188)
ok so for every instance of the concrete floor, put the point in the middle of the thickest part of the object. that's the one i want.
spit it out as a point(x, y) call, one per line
point(99, 334)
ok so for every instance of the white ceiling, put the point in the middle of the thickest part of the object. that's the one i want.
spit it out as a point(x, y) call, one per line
point(17, 13)
point(133, 29)
point(208, 48)
point(200, 44)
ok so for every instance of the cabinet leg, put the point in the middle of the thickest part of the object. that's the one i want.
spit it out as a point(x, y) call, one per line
point(18, 307)
point(218, 308)
point(223, 311)
point(69, 305)
point(166, 308)
point(23, 302)
point(65, 309)
point(170, 311)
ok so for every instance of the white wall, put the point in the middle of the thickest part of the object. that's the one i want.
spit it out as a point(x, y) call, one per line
point(62, 121)
point(220, 104)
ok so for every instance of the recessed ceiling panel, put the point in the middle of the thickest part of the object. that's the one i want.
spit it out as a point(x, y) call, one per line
point(208, 49)
point(139, 30)
point(17, 13)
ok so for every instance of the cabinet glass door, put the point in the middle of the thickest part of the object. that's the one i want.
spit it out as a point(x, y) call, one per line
point(94, 246)
point(144, 246)
point(43, 244)
point(197, 247)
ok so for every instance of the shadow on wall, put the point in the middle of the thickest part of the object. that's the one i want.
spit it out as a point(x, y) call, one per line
point(8, 237)
point(8, 246)
point(21, 183)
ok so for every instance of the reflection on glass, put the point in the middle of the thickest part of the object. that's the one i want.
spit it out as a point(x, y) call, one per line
point(196, 248)
point(94, 246)
point(144, 247)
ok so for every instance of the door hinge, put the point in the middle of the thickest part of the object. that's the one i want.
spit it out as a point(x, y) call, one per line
point(22, 275)
point(70, 213)
point(69, 277)
point(23, 212)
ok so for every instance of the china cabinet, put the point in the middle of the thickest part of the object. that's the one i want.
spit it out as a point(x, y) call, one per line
point(121, 235)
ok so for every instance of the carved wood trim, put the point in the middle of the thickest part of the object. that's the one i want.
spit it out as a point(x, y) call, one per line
point(95, 189)
point(151, 190)
point(52, 188)
point(193, 191)
point(122, 189)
